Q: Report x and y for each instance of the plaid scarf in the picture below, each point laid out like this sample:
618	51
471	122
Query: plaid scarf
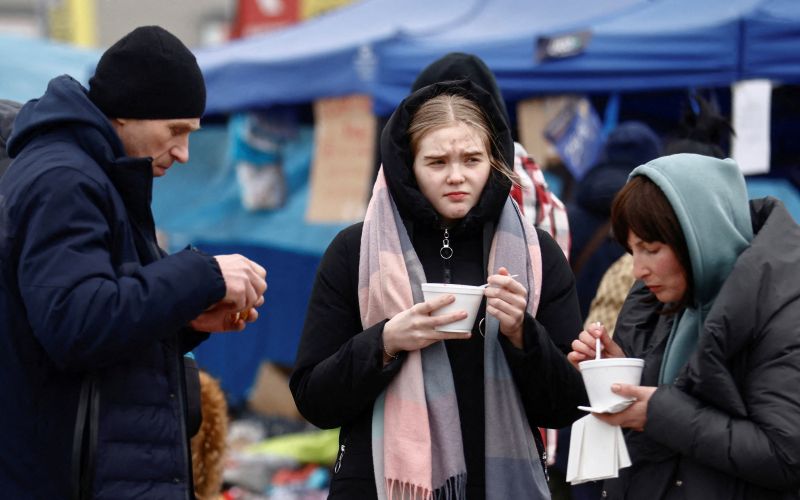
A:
416	433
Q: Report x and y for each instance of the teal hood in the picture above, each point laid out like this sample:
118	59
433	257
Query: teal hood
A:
710	200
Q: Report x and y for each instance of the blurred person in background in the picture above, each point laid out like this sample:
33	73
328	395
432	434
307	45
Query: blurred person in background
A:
100	400
714	315
702	131
8	111
423	412
629	145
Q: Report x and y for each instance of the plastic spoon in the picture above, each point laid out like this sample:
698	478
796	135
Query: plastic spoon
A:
487	284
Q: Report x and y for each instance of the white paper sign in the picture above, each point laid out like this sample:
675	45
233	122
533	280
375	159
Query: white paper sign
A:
751	116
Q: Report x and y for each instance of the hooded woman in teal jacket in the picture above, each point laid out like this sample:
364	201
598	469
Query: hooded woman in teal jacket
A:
715	316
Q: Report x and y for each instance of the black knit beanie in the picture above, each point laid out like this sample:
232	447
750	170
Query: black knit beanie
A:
148	74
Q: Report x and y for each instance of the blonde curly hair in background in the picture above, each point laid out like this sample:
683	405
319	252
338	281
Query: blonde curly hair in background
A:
209	444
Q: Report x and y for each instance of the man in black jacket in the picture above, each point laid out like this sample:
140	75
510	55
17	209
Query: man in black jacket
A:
95	319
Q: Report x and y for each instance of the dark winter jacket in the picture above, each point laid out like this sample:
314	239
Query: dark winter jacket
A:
339	370
93	318
729	427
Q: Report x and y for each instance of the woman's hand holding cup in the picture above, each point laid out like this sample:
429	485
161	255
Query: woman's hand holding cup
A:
584	347
415	328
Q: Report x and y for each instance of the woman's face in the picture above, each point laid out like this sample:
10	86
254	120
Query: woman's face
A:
656	264
452	167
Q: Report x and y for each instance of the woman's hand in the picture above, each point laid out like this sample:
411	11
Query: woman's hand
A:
415	328
506	300
583	347
635	416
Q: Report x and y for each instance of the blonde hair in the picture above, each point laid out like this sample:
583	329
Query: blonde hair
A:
445	110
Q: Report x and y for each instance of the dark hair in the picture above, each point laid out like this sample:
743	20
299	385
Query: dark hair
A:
642	208
702	132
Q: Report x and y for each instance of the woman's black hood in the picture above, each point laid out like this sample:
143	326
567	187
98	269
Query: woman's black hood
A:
398	159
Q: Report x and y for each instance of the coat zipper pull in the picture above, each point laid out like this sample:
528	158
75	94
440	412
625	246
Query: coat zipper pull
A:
338	464
446	252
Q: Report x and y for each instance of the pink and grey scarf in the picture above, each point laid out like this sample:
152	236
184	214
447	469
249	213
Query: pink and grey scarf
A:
416	433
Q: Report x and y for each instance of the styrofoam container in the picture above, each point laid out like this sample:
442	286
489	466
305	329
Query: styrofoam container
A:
599	374
468	298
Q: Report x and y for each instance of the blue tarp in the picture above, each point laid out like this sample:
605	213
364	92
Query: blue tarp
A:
28	64
201	201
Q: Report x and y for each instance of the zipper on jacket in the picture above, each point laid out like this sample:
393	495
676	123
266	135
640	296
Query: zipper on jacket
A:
340	457
181	396
446	252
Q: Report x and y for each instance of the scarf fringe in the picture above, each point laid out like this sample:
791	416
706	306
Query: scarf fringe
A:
455	488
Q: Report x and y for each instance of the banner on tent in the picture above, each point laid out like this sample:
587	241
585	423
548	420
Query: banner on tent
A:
577	134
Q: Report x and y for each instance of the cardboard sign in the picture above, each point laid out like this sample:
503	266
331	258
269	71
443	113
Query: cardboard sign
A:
270	395
533	115
344	159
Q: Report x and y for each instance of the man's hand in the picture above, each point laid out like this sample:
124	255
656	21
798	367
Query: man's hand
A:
223	317
245	281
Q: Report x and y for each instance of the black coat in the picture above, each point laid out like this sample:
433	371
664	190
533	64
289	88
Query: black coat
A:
729	427
87	301
339	369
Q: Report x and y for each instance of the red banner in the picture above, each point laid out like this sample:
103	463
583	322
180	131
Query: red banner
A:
256	16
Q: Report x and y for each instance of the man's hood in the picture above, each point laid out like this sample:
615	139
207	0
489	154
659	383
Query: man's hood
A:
64	103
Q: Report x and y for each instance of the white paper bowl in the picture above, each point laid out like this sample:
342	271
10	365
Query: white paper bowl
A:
468	298
599	374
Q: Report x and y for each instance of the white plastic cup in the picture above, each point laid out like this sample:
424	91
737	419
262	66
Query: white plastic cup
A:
468	298
599	374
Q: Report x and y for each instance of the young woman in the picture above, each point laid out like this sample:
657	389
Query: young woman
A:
715	318
422	412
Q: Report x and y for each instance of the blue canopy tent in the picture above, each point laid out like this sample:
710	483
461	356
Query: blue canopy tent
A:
658	44
327	56
771	41
344	52
29	63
